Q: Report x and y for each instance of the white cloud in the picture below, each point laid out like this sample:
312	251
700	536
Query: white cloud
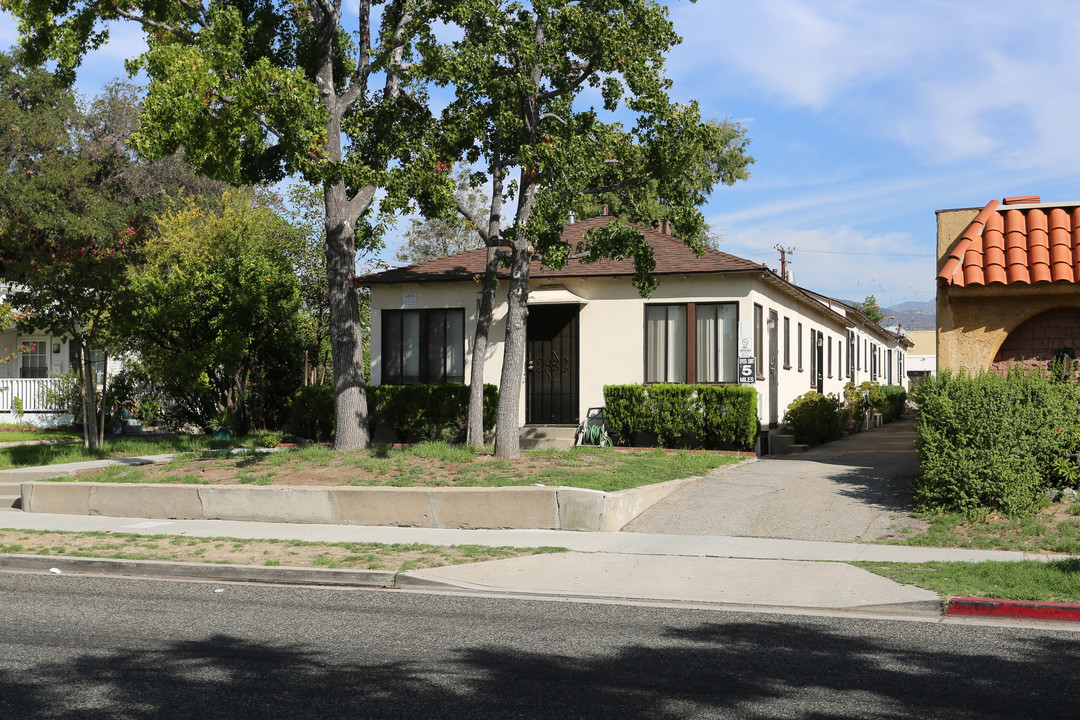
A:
996	80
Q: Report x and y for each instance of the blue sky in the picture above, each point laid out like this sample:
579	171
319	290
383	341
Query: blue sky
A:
864	118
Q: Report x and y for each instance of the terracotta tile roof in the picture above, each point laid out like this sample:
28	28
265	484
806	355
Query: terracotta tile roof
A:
672	257
1019	241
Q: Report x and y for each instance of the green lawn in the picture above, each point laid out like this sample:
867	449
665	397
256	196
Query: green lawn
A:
32	455
1057	581
21	433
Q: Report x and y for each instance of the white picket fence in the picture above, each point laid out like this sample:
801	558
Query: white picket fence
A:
30	391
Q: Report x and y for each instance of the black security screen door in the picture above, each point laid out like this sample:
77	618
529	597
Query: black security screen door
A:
551	365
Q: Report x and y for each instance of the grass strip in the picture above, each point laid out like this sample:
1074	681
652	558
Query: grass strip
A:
1053	581
18	433
34	455
239	551
1039	533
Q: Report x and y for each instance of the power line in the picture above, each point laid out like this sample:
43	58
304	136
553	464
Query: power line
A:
841	252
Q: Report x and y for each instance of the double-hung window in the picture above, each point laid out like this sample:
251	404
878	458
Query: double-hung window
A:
692	342
423	346
35	359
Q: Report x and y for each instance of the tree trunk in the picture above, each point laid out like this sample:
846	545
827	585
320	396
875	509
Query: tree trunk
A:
475	433
507	445
89	398
104	382
346	339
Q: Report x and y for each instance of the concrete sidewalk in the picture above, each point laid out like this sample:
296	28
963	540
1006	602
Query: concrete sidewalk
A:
695	569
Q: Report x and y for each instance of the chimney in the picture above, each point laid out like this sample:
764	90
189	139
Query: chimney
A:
604	211
665	227
571	217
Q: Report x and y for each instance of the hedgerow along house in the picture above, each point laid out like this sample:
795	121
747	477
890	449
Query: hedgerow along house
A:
1008	284
712	319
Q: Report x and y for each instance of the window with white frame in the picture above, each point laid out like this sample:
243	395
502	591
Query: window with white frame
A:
423	346
35	359
716	338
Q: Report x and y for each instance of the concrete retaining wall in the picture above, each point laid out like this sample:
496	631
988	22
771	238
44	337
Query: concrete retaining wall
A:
549	508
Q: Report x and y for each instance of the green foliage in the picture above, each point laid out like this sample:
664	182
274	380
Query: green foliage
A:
311	413
990	442
427	413
214	311
814	418
889	400
414	413
712	416
870	308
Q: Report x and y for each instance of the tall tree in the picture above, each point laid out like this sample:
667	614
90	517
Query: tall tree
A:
258	89
520	73
66	234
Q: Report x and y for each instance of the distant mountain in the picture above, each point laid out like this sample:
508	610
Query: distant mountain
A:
913	315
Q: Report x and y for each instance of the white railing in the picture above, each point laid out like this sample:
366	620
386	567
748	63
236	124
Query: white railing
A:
30	391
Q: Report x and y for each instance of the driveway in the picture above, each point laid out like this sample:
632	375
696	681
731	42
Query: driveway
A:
857	489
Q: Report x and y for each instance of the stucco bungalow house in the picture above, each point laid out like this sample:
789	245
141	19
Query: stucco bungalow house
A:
1008	284
712	319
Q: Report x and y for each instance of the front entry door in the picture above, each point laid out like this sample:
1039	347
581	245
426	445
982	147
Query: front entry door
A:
551	365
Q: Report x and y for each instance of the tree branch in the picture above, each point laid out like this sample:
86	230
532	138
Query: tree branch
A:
142	20
586	72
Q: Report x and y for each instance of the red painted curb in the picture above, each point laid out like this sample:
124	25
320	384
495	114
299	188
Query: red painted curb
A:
1014	608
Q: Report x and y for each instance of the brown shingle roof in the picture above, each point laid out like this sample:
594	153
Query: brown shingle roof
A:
671	255
1019	241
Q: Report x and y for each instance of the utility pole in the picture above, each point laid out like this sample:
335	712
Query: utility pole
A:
784	252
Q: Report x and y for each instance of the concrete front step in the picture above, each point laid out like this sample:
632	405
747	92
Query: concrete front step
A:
546	437
785	445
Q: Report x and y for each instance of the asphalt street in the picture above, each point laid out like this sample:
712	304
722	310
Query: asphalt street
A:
118	648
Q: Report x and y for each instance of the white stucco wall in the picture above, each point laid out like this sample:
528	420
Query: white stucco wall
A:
612	330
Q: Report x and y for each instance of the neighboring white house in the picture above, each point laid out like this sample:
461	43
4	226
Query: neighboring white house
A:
709	320
38	356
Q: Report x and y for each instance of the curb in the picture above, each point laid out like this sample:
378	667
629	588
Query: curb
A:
201	571
988	607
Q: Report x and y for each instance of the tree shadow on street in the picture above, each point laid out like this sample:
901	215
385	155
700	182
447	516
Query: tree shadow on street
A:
745	668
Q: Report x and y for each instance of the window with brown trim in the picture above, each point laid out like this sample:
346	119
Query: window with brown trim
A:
787	343
798	340
691	343
759	340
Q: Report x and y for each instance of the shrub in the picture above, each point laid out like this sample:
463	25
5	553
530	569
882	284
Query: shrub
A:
714	416
427	413
990	442
814	418
311	413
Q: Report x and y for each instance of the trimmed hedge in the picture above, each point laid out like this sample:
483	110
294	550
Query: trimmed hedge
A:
414	413
990	442
713	416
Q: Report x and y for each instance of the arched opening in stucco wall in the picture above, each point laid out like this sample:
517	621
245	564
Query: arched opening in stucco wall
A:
1041	339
